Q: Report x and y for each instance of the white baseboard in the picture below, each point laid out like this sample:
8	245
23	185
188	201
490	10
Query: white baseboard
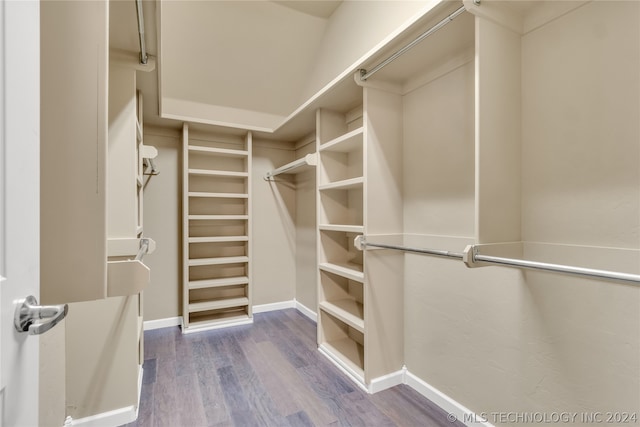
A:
113	418
306	311
217	325
150	325
455	409
387	381
263	308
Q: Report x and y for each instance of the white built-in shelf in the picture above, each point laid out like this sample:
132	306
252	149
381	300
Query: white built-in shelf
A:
219	195
218	151
218	261
217	283
349	311
297	166
208	172
347	143
349	353
204	321
218	239
346	184
348	270
342	227
218	217
218	304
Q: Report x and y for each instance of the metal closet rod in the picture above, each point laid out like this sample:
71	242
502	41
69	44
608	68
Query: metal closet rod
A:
435	252
513	262
559	268
364	74
143	48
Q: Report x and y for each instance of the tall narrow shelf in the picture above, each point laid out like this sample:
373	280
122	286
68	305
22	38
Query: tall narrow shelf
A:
360	326
340	178
216	230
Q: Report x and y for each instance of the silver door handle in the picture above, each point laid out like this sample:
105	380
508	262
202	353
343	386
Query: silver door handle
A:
28	314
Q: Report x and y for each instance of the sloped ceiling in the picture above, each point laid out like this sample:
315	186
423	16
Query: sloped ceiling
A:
244	62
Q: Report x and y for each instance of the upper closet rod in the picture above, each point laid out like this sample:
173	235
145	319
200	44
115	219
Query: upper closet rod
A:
308	160
143	48
364	74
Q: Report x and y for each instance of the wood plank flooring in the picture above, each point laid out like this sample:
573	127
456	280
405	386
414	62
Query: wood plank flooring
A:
266	374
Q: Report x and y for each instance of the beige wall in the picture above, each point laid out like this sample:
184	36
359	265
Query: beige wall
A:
162	223
497	339
274	231
306	237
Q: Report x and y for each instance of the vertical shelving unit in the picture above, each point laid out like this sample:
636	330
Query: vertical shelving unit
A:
216	231
340	177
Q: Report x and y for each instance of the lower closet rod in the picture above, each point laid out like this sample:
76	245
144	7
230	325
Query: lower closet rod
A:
558	268
436	252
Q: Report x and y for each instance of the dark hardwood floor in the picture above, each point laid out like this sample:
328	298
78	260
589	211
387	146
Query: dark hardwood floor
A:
266	374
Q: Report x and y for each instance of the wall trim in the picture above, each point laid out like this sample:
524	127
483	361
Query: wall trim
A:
454	408
274	306
387	381
306	311
169	322
116	417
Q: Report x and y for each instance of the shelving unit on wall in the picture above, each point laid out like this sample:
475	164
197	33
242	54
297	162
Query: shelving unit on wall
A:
216	230
353	323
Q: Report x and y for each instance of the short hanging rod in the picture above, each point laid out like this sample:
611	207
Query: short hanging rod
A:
364	74
143	48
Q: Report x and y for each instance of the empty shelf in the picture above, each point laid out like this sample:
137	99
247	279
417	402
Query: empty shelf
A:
349	311
218	217
218	260
216	283
346	143
209	172
348	353
219	195
342	227
195	307
349	270
218	239
218	151
346	184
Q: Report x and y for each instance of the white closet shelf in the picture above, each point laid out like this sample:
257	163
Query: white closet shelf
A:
218	261
348	310
342	227
218	151
348	270
347	184
196	307
210	172
347	143
218	239
217	283
219	195
218	217
349	353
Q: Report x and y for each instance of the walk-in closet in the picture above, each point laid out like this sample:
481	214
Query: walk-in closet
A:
341	212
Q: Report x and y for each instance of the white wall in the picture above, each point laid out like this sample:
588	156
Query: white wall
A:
497	339
306	236
274	230
163	223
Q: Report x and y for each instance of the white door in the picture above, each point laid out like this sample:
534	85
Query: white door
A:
19	205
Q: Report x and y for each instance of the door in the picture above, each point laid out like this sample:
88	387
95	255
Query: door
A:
19	205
